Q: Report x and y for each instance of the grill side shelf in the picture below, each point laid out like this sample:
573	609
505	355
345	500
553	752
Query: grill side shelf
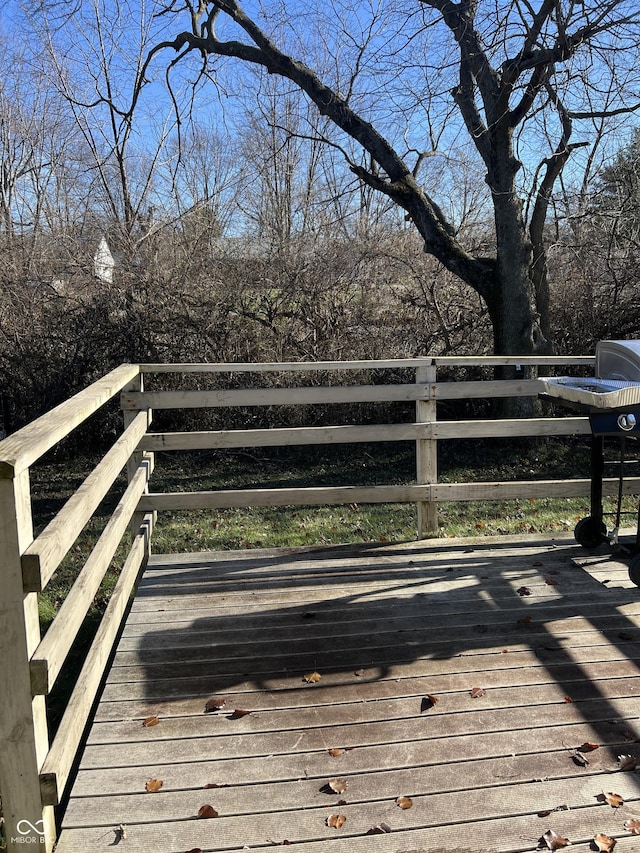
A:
594	393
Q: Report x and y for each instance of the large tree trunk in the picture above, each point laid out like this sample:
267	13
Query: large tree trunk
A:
512	305
516	327
514	333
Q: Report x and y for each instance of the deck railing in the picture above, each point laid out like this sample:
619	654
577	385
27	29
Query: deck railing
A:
34	771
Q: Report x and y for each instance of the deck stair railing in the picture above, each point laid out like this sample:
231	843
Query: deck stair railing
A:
34	771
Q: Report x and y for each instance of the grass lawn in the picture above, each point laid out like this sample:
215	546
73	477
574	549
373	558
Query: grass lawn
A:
260	527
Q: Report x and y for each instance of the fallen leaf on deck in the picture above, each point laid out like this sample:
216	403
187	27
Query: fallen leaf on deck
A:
477	692
633	825
547	812
551	582
150	721
214	785
588	747
339	750
238	713
338	786
359	672
579	759
526	620
121	834
627	762
568	700
195	850
428	702
404	802
308	614
217	703
379	829
312	677
336	820
207	811
283	843
614	800
524	590
154	785
604	843
553	840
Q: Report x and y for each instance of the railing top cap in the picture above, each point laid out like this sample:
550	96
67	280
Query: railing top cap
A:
27	445
366	364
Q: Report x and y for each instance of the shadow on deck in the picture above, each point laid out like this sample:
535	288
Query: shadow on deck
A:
550	634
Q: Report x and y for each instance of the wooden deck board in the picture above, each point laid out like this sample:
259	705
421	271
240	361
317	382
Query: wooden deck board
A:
384	625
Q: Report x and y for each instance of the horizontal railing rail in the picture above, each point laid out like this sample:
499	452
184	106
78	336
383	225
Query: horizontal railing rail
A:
34	771
297	436
372	364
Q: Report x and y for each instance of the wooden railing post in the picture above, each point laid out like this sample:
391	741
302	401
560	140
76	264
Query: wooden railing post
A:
426	455
129	415
23	725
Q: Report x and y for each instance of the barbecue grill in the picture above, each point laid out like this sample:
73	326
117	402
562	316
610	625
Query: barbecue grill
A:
612	401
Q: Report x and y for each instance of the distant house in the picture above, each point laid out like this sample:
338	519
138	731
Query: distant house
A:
77	261
103	262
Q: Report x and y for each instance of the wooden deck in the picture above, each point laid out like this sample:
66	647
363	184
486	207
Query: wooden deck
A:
551	634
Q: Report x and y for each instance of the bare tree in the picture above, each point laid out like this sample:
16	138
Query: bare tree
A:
93	55
605	252
201	180
517	78
30	142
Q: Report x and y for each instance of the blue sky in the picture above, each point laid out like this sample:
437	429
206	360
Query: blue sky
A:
403	85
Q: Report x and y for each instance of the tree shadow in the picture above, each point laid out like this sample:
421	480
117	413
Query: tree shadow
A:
366	614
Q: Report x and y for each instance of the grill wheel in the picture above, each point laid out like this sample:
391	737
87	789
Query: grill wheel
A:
634	570
590	532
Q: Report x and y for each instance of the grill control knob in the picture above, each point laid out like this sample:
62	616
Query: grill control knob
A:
626	422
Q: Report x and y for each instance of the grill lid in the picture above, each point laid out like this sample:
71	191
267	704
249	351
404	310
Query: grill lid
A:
618	360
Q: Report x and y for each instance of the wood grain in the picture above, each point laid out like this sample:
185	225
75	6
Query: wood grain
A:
384	625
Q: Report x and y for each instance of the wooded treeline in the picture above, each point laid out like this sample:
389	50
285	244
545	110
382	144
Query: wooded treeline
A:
246	237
